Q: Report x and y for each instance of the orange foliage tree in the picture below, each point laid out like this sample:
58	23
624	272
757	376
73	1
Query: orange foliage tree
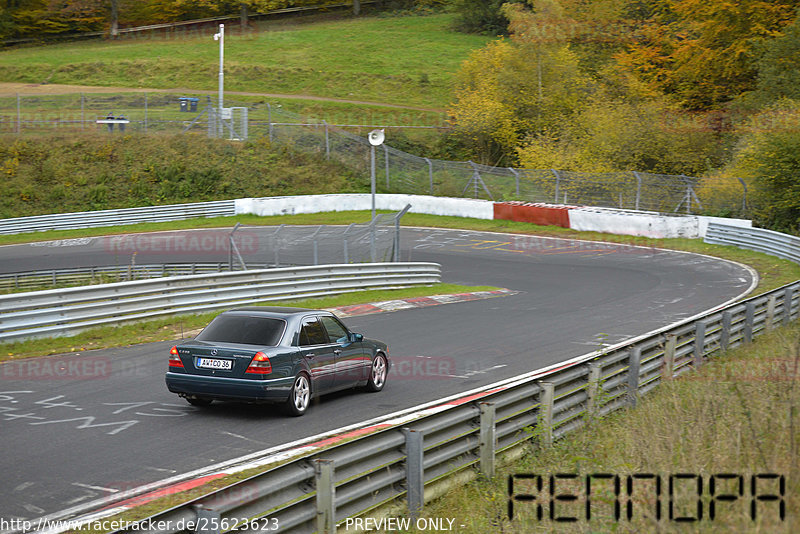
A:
703	51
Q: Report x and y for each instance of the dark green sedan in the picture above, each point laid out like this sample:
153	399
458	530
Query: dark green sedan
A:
275	355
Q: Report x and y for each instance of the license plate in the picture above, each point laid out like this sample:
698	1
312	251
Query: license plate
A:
211	363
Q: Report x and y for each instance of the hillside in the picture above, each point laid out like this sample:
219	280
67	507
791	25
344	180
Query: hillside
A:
399	60
63	172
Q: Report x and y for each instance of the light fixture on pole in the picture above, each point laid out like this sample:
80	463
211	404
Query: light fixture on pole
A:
221	38
375	138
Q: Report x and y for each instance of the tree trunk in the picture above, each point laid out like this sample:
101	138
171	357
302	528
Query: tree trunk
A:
243	16
114	18
356	7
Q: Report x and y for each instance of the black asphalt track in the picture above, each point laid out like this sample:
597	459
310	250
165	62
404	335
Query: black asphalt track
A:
111	425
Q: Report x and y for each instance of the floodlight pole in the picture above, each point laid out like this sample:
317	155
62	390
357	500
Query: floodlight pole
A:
221	38
372	251
372	177
375	138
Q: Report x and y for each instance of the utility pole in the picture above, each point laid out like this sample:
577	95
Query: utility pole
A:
221	38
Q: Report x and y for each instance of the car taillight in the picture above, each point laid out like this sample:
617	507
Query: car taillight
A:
174	359
260	364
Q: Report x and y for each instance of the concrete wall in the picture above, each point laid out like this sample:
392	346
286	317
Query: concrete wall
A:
607	220
646	224
455	207
633	223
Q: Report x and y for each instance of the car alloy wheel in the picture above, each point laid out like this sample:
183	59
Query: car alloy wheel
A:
377	377
299	396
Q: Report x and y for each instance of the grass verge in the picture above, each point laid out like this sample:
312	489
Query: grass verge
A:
737	415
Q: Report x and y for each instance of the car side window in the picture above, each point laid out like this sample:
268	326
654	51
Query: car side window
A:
312	332
337	333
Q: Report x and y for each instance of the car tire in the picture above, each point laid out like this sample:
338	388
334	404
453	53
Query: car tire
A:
299	396
199	401
378	373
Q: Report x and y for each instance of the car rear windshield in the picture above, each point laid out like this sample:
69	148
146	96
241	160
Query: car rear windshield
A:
262	331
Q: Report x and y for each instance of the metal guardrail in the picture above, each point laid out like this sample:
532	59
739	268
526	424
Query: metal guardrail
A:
65	311
112	273
766	241
90	219
316	491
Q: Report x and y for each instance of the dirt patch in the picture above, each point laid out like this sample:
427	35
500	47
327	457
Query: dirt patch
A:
12	89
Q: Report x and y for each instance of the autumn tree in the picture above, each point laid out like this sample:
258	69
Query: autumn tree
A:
779	66
512	90
768	157
703	51
480	16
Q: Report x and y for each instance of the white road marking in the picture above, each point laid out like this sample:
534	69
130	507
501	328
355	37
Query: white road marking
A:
33	509
162	469
98	488
481	371
243	437
23	486
76	500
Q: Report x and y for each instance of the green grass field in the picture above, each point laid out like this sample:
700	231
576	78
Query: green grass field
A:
408	61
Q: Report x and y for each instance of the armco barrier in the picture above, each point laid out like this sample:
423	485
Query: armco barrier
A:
90	219
65	311
407	456
120	273
774	243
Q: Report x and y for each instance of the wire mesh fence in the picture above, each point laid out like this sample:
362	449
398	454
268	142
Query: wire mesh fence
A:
397	171
376	241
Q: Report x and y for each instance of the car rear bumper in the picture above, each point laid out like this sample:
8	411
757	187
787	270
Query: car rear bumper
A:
213	387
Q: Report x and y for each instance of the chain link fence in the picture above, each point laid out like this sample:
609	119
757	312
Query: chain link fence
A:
397	171
376	241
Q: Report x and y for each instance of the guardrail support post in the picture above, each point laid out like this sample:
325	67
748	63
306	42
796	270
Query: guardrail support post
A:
725	334
415	472
699	342
430	174
208	521
548	396
634	358
788	293
670	344
593	390
768	321
516	178
749	321
326	493
488	439
327	141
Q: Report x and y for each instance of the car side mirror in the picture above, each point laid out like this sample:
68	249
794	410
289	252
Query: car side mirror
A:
356	337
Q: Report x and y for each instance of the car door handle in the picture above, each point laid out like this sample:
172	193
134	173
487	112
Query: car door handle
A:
337	351
310	355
